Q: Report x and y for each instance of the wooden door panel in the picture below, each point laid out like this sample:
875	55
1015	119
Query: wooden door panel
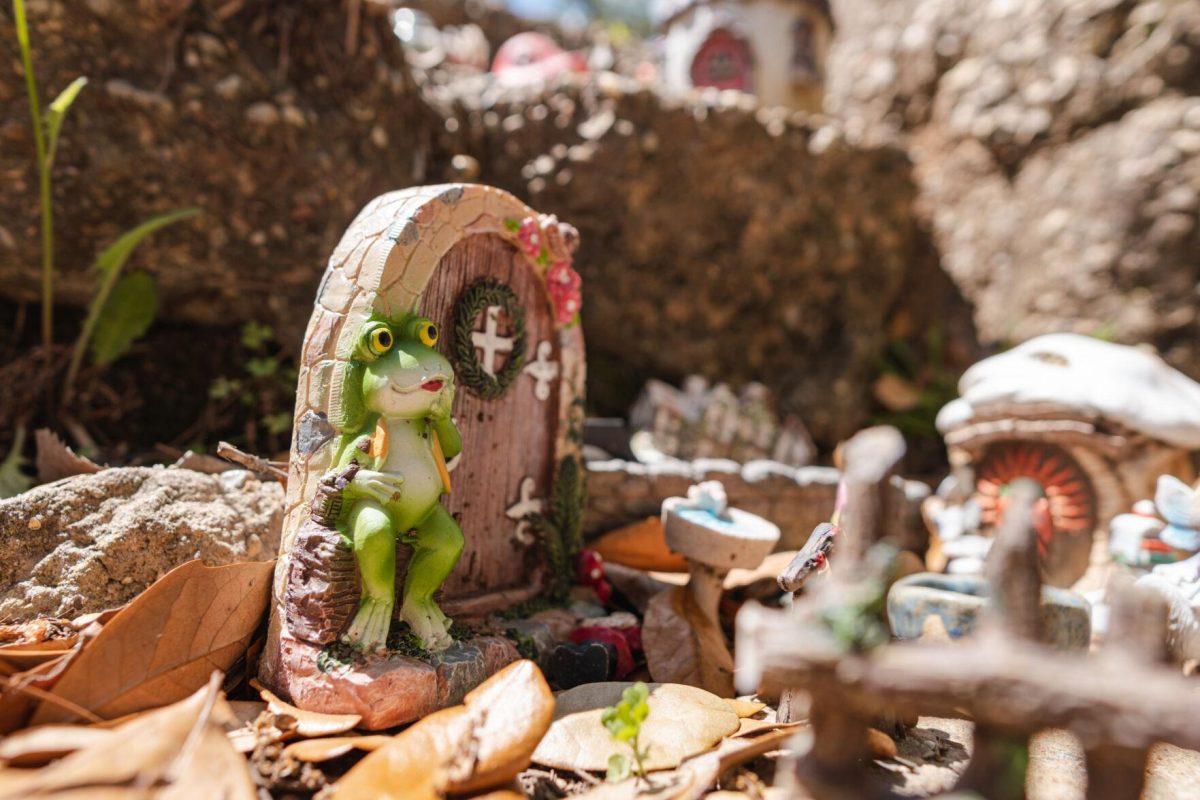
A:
506	439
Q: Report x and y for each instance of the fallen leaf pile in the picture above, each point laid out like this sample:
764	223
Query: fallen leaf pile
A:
158	649
178	751
129	703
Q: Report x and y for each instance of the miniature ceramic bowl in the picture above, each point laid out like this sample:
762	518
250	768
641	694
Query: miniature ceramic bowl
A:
958	600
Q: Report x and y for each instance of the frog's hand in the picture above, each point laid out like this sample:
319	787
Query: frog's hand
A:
382	487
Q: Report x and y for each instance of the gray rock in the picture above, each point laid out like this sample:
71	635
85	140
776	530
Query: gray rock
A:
93	542
1056	146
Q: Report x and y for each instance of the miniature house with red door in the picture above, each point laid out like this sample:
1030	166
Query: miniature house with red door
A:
774	49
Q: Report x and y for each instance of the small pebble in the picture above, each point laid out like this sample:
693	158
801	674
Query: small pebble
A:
35	523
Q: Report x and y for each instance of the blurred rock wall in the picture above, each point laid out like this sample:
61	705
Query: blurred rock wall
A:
1056	146
717	238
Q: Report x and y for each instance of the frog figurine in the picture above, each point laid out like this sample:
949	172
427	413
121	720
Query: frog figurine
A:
396	434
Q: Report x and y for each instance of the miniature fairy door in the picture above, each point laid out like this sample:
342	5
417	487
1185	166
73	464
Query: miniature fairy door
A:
724	61
497	279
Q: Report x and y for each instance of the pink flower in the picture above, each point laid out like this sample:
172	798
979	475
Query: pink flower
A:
566	294
530	236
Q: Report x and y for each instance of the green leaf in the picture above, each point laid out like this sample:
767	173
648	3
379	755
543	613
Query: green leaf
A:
113	257
109	264
618	768
255	335
262	367
57	112
125	317
12	480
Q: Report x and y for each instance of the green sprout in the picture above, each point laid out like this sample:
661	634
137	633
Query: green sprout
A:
122	306
624	723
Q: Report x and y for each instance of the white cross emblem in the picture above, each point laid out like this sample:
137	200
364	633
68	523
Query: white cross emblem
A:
543	370
520	510
490	342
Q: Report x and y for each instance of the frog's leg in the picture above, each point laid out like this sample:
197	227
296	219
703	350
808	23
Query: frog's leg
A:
374	540
436	547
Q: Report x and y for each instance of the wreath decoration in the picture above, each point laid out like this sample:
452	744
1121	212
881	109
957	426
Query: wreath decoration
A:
474	300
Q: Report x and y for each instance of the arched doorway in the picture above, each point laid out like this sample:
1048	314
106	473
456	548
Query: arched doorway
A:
1065	516
724	61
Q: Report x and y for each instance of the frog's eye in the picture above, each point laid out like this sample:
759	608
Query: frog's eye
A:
427	332
379	341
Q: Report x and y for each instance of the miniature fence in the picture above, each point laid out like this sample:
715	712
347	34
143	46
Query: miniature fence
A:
1119	702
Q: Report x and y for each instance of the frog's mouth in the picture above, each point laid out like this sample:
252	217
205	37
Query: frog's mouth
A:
433	383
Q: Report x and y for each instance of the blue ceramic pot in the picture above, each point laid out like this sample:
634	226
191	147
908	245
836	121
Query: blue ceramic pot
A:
959	599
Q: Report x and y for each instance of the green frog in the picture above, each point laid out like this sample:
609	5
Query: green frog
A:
393	412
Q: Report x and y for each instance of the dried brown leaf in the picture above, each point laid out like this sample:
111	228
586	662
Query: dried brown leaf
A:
55	460
317	750
182	746
682	722
37	746
309	723
692	779
166	642
483	743
24	690
744	708
20	657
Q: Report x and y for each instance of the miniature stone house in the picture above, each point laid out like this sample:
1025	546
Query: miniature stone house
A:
774	49
1094	423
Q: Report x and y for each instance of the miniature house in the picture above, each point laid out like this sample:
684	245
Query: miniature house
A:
774	49
1094	423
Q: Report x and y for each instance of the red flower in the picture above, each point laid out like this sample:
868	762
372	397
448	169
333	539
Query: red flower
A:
530	236
566	293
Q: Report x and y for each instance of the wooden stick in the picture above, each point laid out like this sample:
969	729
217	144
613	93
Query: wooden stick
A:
869	459
276	469
1012	567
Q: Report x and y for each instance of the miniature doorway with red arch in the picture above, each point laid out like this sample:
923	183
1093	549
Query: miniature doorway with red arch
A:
724	61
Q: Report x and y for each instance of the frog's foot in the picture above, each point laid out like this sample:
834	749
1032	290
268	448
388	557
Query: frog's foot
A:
368	630
428	623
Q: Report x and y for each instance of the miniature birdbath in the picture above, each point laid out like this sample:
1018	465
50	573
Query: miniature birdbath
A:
714	539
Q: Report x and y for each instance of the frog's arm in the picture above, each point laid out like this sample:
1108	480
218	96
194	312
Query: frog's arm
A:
355	447
448	436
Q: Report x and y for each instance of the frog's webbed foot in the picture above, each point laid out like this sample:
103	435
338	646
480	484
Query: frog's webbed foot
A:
368	630
428	623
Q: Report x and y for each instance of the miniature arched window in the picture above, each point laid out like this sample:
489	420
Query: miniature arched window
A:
724	61
805	66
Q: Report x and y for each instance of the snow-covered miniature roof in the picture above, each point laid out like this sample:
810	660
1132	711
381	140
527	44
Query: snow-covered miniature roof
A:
1078	373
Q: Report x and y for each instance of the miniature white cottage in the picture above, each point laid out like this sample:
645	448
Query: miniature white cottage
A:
1094	423
774	49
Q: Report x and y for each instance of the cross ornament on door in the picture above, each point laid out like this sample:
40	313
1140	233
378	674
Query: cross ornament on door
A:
489	342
